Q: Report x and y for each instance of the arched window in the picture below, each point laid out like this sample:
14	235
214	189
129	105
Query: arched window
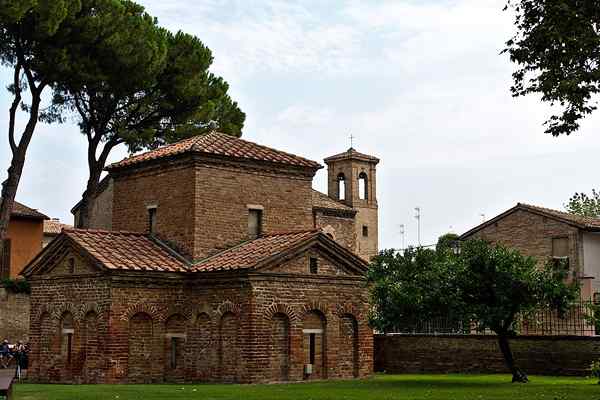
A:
341	187
363	191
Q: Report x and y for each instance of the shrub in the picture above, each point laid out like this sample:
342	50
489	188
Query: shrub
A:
595	368
16	285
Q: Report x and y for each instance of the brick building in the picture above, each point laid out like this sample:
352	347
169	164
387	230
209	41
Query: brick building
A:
547	234
223	264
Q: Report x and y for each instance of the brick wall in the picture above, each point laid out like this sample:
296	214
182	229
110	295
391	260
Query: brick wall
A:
532	235
341	228
14	315
542	355
202	207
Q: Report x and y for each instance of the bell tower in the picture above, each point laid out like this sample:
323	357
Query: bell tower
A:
352	180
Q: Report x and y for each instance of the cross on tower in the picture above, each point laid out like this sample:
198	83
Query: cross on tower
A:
352	137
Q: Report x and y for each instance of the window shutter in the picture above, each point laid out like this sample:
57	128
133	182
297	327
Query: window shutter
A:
5	261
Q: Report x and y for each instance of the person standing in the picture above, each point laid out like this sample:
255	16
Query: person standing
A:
5	354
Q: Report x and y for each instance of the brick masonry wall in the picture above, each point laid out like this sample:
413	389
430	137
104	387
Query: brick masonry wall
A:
532	235
342	228
225	192
542	355
14	315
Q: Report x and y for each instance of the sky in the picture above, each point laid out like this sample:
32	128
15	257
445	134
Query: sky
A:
420	84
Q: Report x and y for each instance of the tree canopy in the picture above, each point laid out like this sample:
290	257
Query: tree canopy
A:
488	287
584	205
142	88
556	48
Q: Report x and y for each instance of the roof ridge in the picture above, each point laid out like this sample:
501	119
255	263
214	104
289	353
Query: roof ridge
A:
288	233
104	231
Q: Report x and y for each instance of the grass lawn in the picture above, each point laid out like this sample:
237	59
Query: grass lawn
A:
431	387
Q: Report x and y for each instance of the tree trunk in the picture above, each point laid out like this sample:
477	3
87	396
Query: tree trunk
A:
11	184
517	375
88	198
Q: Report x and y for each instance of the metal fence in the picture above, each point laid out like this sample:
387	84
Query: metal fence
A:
576	322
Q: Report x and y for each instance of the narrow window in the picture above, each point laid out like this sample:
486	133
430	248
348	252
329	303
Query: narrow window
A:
597	298
314	265
5	260
312	338
341	187
152	220
365	231
560	251
71	265
173	352
362	186
254	223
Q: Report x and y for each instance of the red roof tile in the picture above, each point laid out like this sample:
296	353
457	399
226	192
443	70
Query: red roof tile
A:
127	250
54	227
249	254
321	200
585	223
21	210
351	153
219	144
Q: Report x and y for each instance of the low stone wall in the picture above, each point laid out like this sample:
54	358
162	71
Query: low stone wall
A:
14	315
541	355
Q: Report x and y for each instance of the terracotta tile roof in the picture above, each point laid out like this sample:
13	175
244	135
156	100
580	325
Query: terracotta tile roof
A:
21	210
582	222
249	254
351	153
585	223
321	200
219	144
127	250
53	227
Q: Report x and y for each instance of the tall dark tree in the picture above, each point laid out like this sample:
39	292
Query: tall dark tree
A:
150	87
557	52
491	286
32	37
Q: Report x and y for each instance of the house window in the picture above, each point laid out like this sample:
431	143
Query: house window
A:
314	265
312	339
365	231
5	260
71	265
254	223
362	186
560	250
597	298
341	187
173	352
152	220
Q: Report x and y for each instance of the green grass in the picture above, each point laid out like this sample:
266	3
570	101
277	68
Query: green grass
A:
398	387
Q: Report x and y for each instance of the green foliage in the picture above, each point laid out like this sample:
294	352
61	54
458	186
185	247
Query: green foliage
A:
490	286
584	205
447	242
16	285
380	386
556	50
595	370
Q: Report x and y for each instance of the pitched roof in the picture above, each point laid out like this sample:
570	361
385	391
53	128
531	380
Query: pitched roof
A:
321	200
53	227
126	250
219	144
351	153
249	254
585	223
21	210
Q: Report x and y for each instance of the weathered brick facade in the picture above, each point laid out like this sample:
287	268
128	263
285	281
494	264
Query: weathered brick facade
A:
220	306
541	355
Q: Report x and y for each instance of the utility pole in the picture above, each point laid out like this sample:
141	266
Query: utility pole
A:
418	217
402	236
